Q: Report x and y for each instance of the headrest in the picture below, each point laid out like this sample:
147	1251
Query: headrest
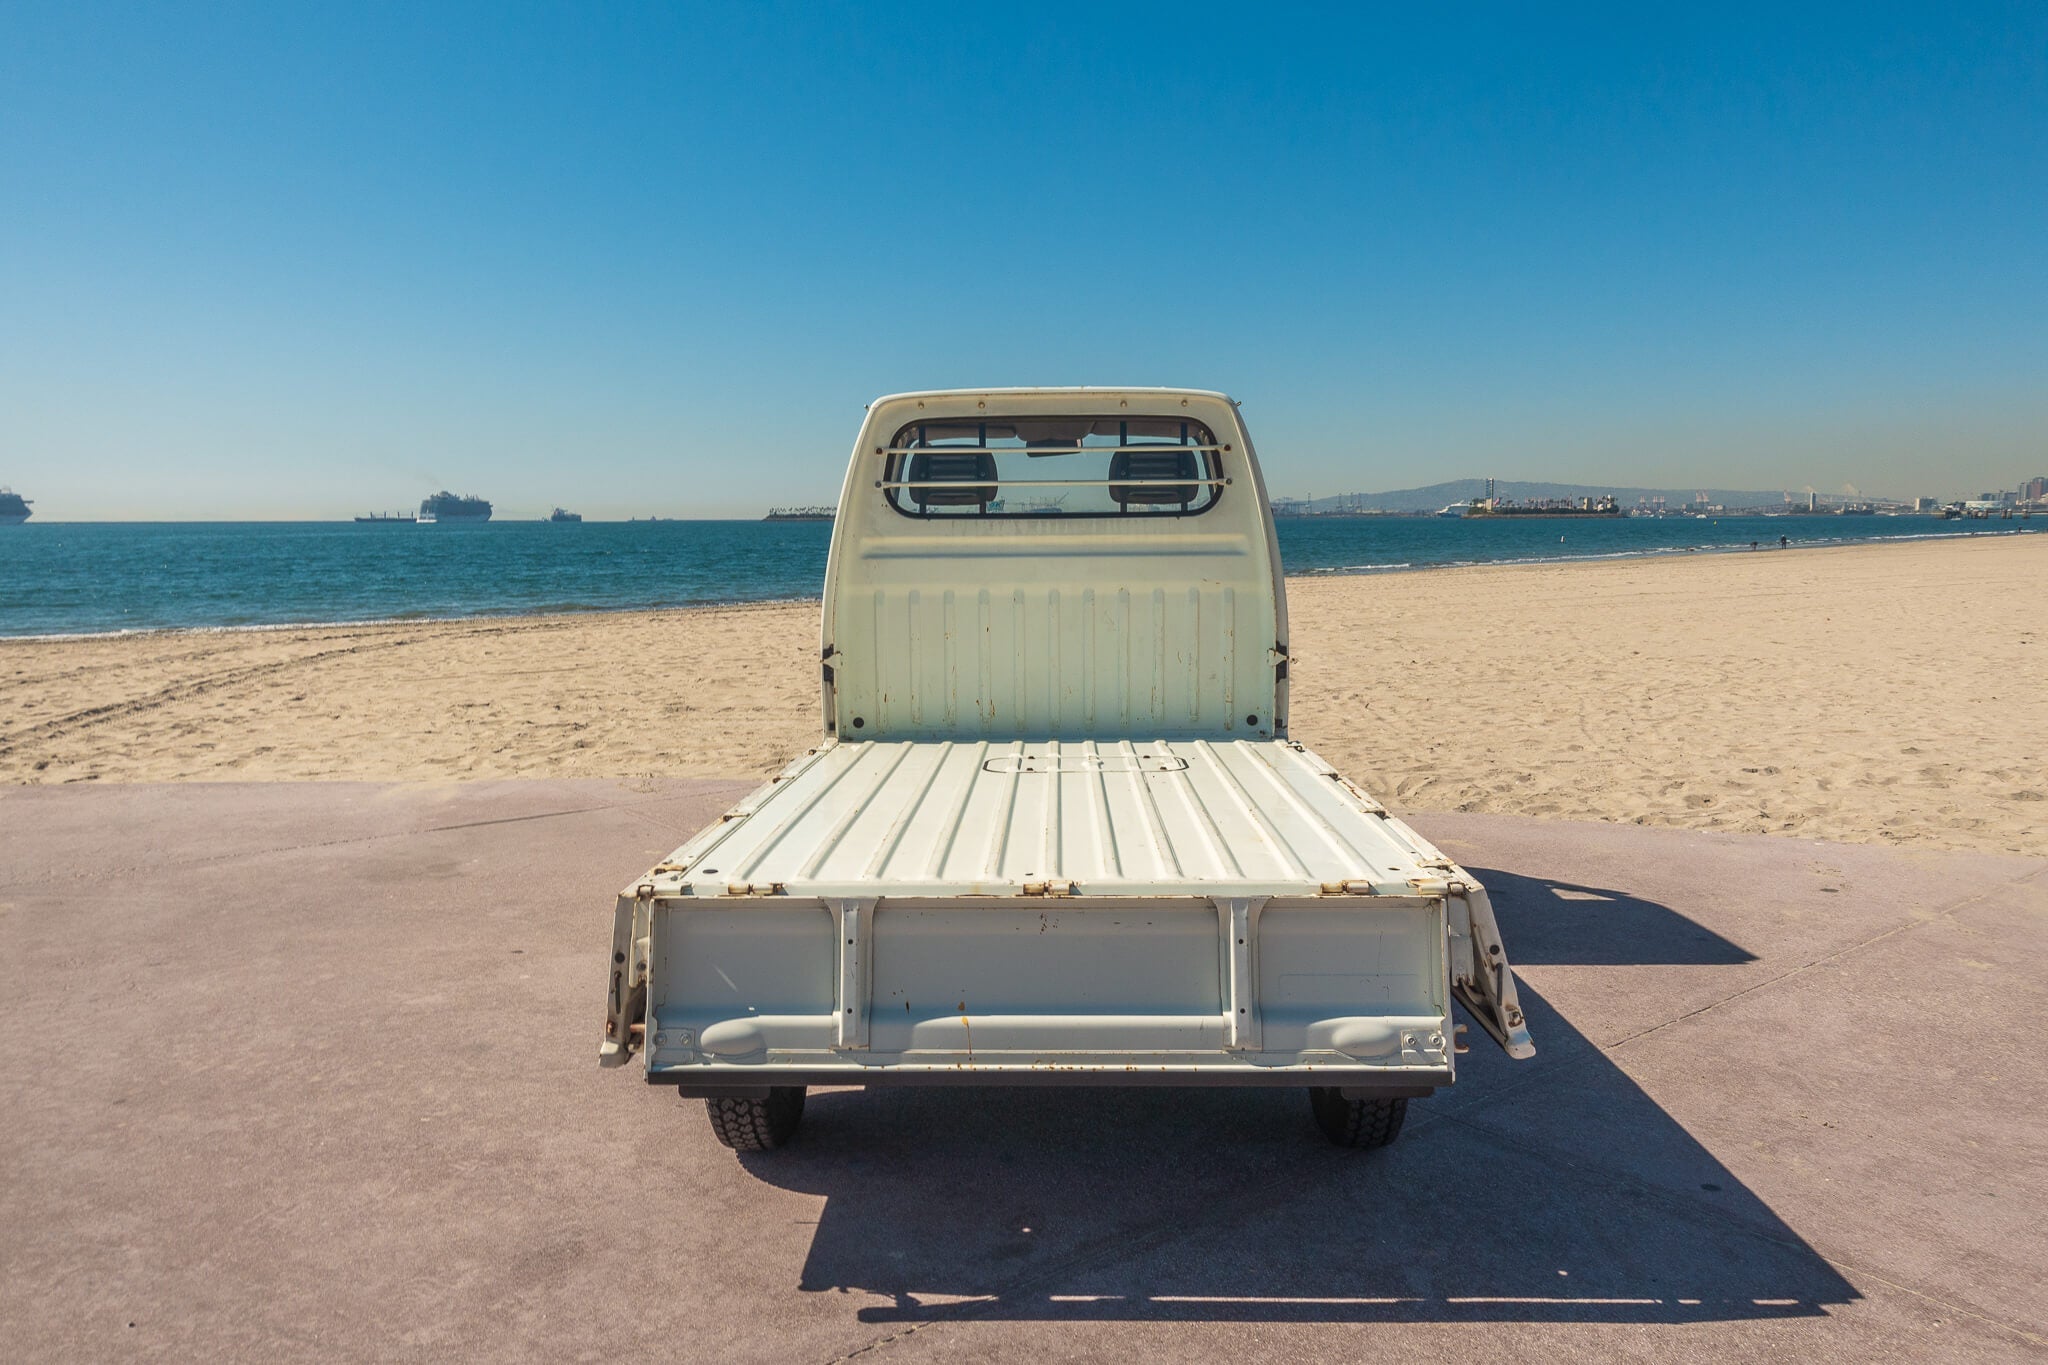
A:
968	468
1153	464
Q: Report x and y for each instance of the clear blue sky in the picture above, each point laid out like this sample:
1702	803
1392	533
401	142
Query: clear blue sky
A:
298	260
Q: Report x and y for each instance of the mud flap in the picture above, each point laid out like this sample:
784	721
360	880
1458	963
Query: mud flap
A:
1480	975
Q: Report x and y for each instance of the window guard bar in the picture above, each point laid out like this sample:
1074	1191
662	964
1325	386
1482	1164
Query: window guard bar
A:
1153	449
979	482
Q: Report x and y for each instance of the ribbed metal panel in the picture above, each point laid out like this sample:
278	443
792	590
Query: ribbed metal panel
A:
1058	661
955	818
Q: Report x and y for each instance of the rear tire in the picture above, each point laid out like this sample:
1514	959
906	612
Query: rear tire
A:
1356	1123
757	1125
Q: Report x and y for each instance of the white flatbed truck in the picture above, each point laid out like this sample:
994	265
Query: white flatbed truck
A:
1056	832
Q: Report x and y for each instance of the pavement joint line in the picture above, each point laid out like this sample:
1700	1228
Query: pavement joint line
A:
645	818
882	1343
2032	1338
515	819
624	807
1509	1089
1946	912
1734	1222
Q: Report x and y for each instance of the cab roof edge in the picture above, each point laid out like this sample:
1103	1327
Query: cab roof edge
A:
1092	391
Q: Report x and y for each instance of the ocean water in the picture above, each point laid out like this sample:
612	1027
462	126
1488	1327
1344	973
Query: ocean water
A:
61	578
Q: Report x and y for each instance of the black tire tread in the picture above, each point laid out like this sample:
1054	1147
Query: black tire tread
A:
757	1125
1364	1123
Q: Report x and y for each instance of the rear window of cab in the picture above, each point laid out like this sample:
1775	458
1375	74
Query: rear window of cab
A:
1054	467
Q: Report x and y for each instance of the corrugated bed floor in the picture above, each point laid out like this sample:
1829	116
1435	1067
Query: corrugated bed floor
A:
966	818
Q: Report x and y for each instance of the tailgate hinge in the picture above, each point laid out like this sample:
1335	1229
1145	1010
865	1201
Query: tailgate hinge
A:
625	1013
1480	975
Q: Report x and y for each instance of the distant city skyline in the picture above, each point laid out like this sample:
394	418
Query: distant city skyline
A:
2029	489
652	259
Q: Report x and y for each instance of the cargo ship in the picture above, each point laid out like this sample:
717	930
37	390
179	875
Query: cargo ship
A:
13	508
561	514
381	518
801	514
446	506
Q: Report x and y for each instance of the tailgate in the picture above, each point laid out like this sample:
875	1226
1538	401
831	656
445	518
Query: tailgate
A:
1188	990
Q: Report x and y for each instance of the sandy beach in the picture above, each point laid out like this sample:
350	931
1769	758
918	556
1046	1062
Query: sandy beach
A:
1893	693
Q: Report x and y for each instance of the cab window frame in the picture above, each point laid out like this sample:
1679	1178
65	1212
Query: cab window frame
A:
963	437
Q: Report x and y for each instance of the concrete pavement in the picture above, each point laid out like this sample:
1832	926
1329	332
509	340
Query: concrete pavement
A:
309	1071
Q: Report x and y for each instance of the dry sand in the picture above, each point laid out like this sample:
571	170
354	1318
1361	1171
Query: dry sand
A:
1894	693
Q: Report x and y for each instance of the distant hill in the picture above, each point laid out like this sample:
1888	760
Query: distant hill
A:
1430	498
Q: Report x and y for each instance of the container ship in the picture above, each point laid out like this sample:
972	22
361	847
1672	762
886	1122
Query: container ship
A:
446	506
382	518
13	508
801	514
560	514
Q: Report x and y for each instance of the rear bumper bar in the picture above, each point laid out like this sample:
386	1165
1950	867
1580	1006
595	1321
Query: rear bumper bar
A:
755	1082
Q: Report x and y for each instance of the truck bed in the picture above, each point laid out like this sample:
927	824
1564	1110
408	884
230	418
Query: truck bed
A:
1170	911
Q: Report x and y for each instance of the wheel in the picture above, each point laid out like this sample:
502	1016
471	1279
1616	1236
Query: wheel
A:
757	1125
1356	1123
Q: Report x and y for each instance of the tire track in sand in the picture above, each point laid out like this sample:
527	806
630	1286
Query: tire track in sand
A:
12	741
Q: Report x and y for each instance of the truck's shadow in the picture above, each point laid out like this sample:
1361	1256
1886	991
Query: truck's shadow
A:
1549	1190
1550	922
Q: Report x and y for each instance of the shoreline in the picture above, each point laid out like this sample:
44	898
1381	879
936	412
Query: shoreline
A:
1658	552
562	612
1878	693
402	622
